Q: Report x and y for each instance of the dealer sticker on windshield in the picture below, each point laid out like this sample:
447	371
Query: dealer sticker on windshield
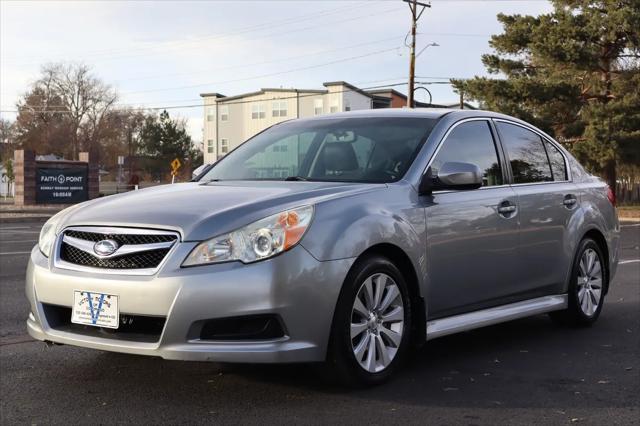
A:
96	309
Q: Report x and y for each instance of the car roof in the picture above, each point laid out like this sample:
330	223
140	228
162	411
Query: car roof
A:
433	113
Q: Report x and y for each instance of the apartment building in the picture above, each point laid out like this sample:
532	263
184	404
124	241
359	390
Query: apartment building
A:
231	120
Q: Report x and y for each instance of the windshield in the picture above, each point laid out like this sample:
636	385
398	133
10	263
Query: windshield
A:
377	149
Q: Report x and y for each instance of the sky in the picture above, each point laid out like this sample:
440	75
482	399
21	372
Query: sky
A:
165	53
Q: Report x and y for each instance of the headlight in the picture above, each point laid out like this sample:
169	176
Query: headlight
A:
48	231
260	240
47	236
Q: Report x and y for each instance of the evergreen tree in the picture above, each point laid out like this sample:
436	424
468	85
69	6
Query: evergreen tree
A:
575	73
162	139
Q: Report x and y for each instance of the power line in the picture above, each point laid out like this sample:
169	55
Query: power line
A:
273	34
296	30
134	106
290	58
192	86
202	71
236	31
201	105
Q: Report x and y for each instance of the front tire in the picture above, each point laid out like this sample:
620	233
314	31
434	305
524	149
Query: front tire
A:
587	287
372	324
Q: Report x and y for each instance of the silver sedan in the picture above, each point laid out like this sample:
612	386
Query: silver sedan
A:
344	238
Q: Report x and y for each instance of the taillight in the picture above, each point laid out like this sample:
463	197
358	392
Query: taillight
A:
611	196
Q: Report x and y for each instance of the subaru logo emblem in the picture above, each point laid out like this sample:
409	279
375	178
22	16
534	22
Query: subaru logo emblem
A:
105	247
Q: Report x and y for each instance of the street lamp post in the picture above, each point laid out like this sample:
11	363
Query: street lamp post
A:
432	44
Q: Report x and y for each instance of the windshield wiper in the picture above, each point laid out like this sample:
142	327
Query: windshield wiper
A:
295	178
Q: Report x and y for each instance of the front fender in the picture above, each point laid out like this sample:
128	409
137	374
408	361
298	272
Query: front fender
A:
345	228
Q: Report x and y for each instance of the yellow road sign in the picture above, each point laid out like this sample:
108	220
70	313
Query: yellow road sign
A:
175	165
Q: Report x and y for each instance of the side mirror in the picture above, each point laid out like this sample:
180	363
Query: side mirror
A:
452	175
200	170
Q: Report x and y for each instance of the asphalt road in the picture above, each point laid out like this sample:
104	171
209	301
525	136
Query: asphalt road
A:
524	372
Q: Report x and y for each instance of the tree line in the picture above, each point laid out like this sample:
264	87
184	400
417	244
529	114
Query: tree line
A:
68	110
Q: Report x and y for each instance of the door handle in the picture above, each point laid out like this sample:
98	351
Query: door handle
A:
569	201
507	209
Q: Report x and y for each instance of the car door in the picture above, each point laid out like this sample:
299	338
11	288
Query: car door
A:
547	200
472	235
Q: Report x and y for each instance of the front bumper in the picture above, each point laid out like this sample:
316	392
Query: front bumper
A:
294	286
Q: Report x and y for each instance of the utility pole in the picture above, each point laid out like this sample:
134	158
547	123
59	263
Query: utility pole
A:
415	16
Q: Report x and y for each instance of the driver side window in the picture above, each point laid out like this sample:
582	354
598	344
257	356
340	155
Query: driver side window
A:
471	142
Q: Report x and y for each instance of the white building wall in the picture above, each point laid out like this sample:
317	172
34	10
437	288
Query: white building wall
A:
356	101
252	126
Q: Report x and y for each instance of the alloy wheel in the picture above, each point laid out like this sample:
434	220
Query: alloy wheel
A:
590	277
377	322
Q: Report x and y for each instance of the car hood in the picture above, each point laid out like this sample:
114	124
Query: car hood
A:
200	211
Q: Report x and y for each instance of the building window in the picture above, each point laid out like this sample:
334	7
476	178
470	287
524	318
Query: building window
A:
279	109
224	113
347	105
210	146
335	106
211	114
224	146
258	111
318	106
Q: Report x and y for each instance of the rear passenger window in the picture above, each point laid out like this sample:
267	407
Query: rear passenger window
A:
558	167
471	142
528	158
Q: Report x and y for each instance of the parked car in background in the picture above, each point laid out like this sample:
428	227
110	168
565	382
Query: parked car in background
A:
343	238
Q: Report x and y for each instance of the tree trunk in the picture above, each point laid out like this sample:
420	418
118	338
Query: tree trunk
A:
610	174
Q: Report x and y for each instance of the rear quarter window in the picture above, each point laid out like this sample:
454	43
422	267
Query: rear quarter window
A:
558	166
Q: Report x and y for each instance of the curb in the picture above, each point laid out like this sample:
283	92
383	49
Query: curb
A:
629	219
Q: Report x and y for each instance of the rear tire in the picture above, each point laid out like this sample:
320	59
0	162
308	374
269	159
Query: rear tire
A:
371	327
587	288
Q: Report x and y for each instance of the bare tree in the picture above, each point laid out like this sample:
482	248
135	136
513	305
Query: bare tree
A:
85	100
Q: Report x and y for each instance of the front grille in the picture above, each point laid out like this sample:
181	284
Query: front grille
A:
121	239
141	249
142	260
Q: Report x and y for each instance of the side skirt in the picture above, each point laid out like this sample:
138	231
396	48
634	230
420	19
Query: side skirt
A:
465	322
